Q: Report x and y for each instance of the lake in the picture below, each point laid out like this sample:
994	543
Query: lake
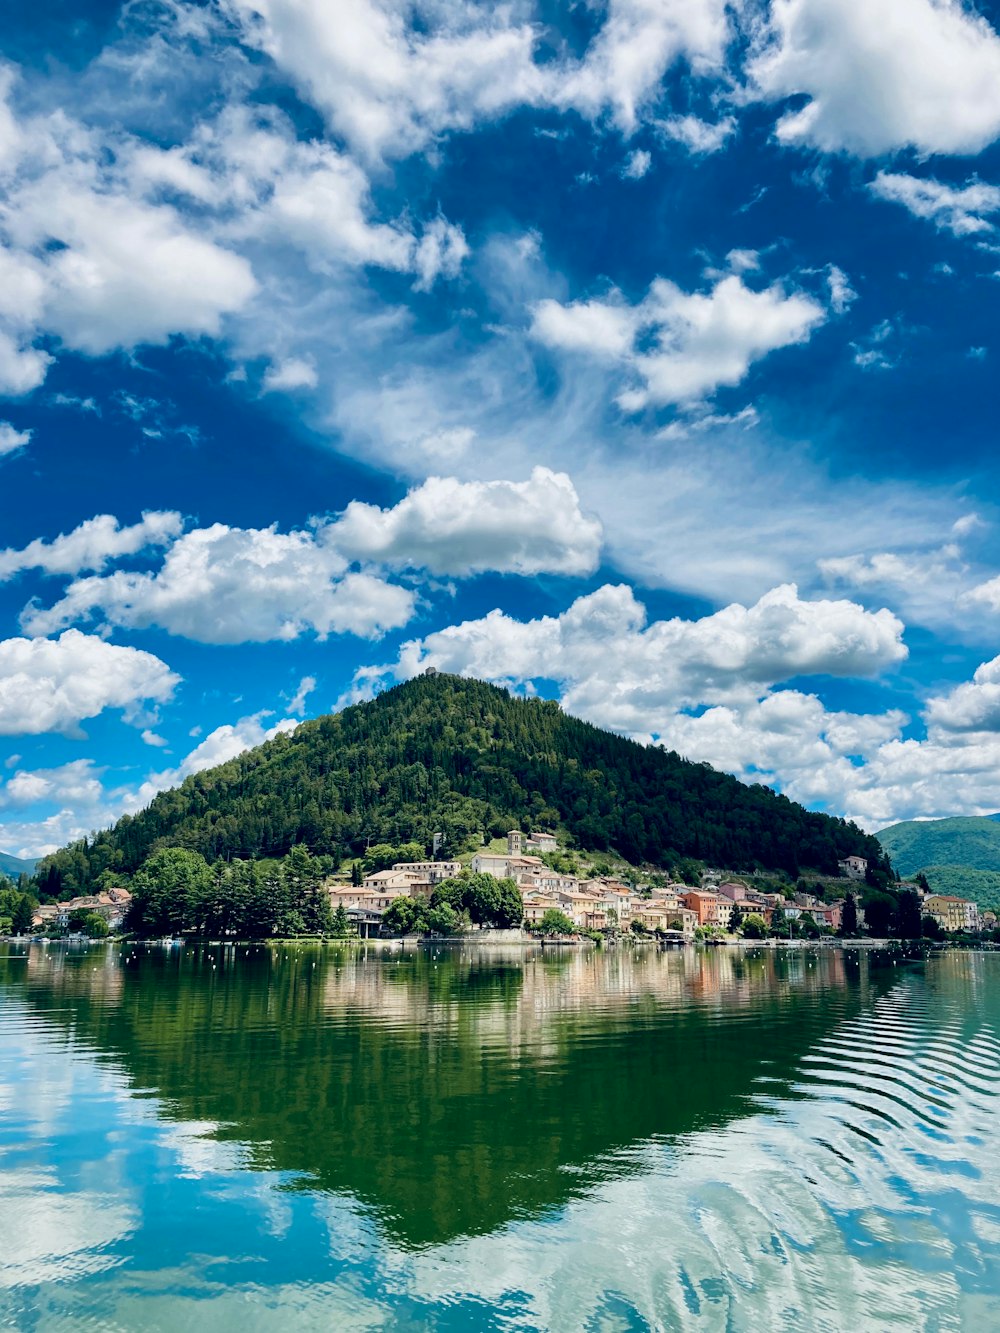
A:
299	1137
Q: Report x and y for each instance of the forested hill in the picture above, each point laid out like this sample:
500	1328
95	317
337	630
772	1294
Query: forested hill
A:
444	754
965	840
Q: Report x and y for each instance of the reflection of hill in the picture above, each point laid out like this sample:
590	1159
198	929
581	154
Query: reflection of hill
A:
449	1093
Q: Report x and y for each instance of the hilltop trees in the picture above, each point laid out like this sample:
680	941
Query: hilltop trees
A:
459	757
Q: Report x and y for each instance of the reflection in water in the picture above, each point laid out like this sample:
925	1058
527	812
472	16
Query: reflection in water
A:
610	1141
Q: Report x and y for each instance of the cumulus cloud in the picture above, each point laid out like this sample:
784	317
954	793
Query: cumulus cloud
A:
462	528
620	672
985	594
78	781
11	440
921	74
390	85
237	585
700	341
93	545
53	684
964	211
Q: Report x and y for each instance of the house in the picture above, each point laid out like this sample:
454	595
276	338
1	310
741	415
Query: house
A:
733	890
401	883
853	867
711	909
952	913
518	843
541	842
364	900
432	872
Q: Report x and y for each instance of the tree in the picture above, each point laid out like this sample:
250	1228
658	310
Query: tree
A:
169	892
404	916
754	926
554	922
908	922
443	920
808	926
78	920
879	910
357	875
849	917
734	919
932	929
341	926
23	916
95	926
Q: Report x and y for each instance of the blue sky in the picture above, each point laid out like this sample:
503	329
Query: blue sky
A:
637	354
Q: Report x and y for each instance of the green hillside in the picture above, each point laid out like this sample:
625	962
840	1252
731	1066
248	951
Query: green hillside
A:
443	754
982	886
964	841
12	866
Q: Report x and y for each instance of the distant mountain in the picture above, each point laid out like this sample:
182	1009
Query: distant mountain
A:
444	754
967	841
12	866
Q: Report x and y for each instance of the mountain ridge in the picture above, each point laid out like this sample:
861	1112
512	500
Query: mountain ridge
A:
971	841
12	866
445	754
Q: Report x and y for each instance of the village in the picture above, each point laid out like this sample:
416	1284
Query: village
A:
718	906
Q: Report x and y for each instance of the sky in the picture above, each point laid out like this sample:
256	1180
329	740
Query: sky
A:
637	354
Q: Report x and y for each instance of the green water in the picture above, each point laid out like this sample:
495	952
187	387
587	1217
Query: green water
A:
305	1138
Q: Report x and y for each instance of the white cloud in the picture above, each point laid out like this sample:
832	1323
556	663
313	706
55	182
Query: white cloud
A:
698	136
22	368
700	341
238	585
233	585
618	672
923	74
622	69
297	703
295	373
93	545
986	594
637	164
78	781
127	273
390	86
109	243
150	737
963	211
11	440
92	803
53	684
462	528
842	294
928	585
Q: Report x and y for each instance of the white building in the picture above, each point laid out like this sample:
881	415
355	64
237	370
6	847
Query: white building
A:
853	867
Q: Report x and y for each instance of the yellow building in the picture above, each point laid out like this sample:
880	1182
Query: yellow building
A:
950	913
